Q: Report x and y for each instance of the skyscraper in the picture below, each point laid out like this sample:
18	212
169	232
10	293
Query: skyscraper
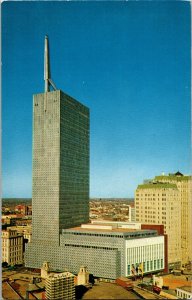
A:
60	165
60	194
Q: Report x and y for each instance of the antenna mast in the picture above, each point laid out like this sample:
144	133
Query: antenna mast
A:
47	73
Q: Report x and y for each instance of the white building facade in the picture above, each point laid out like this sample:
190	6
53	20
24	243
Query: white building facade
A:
148	252
184	292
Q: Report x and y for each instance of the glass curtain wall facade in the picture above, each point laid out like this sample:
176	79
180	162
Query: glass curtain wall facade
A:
60	165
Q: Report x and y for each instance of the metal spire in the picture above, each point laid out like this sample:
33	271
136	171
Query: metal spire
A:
47	73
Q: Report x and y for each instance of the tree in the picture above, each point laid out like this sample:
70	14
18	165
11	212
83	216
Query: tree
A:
4	264
91	279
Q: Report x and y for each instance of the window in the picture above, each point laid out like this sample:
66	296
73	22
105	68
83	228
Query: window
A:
161	263
147	265
151	265
144	267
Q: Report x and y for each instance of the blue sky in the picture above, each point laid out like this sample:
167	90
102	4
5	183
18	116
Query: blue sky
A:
129	62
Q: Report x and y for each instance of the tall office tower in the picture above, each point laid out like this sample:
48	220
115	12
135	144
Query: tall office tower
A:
184	185
159	203
60	165
60	194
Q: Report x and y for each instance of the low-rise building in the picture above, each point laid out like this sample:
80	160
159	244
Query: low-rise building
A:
60	286
22	209
5	220
131	213
9	219
27	220
184	292
160	230
12	247
25	230
109	250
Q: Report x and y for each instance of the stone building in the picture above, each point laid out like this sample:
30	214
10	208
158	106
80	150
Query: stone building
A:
167	200
184	186
12	247
83	276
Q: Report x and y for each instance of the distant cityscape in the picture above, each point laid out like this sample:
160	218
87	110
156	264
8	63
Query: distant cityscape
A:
17	211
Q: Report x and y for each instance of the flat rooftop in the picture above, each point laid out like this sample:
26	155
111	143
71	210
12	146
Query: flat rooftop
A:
106	230
109	230
186	288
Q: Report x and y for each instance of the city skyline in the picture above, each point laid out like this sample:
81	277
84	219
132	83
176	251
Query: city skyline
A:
128	61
